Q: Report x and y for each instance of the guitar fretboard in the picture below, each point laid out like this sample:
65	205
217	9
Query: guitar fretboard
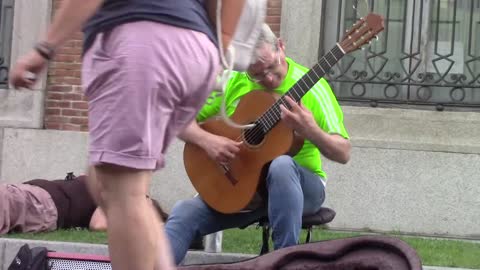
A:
271	117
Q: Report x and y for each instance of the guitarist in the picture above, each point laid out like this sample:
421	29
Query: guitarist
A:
296	186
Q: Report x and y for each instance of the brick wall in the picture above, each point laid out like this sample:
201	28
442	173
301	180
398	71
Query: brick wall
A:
65	105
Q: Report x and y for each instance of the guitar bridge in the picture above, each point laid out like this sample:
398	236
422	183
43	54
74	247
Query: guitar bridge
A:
228	174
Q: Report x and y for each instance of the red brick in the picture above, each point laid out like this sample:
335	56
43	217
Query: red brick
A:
52	104
80	105
68	80
70	50
70	66
54	96
274	3
65	104
60	88
52	111
66	58
273	20
274	12
73	97
82	121
71	112
275	28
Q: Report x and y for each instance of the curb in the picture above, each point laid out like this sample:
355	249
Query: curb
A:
10	246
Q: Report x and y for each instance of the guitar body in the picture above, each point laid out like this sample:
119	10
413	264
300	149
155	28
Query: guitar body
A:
232	191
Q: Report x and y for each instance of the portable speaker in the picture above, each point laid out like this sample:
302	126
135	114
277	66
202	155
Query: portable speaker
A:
69	261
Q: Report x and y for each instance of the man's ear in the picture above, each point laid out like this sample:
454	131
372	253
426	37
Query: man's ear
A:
281	45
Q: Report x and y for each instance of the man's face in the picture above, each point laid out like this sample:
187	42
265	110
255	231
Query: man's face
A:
270	69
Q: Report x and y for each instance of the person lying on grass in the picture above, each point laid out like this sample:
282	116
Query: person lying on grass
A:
40	205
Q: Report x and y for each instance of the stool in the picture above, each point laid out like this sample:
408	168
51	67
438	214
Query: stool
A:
322	216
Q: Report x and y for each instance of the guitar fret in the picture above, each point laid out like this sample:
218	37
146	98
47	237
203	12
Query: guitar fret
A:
333	55
316	74
310	79
320	66
298	95
270	121
326	60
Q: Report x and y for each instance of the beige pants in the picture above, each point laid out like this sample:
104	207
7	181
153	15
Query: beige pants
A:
26	208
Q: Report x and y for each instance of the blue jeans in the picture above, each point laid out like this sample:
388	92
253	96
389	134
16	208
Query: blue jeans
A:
293	191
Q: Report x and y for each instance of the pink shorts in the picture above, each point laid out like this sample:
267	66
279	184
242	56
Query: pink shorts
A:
145	81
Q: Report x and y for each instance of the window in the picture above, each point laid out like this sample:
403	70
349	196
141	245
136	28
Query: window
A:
429	52
6	26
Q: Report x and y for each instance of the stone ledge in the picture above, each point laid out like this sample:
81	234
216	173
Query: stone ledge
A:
408	129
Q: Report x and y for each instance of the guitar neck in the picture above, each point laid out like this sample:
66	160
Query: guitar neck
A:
271	117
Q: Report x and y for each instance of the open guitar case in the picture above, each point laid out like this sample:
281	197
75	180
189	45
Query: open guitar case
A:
355	253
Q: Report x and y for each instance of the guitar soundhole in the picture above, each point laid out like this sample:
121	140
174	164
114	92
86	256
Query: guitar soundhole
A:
255	135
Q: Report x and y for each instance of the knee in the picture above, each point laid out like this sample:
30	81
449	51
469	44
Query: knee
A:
283	162
184	211
282	167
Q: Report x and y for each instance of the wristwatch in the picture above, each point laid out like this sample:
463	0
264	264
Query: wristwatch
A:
45	49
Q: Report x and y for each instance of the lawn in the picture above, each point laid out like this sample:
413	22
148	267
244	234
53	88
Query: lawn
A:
433	252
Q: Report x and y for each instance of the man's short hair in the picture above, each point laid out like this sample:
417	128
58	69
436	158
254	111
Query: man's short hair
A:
266	37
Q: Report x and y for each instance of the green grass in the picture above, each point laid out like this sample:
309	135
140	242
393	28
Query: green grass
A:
72	235
433	252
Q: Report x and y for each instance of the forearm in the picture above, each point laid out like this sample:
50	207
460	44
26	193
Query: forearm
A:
193	133
332	146
230	15
69	19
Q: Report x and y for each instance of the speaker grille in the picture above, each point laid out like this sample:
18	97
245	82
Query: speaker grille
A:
70	264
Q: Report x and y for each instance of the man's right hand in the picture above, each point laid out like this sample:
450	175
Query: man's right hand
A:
221	149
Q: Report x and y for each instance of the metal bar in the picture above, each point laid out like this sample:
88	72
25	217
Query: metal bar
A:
433	68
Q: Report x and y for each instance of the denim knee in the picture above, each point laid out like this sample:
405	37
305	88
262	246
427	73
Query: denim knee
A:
185	209
282	168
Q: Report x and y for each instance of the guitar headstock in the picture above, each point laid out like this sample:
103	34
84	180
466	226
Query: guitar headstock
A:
362	32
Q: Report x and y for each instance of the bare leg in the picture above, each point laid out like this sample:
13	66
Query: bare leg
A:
132	236
163	251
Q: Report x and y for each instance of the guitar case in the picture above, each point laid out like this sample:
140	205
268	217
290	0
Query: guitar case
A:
355	253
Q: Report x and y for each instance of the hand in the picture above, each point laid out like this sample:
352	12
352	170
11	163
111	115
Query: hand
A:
221	149
298	117
25	72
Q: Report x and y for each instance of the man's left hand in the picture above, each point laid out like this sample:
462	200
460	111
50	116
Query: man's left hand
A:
32	63
298	117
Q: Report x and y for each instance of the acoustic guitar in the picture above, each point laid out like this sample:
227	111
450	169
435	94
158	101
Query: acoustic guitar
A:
229	188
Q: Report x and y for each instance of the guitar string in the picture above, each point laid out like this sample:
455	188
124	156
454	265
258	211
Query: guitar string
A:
274	111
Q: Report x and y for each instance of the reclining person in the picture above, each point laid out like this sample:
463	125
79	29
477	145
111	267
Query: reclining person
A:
40	205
